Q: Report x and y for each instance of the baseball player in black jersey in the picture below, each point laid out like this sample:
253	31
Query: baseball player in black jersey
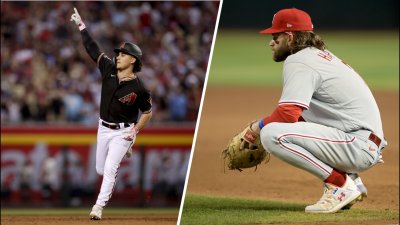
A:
122	96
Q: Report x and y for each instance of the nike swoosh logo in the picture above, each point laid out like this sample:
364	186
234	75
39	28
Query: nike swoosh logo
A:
112	75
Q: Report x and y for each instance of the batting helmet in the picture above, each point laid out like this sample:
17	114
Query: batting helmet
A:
133	50
130	49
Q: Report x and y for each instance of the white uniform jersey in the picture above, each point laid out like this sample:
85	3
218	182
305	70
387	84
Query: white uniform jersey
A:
332	93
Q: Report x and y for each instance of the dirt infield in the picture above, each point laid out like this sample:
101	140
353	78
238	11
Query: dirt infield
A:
84	220
227	110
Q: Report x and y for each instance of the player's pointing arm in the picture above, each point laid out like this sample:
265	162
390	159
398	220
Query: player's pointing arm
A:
90	45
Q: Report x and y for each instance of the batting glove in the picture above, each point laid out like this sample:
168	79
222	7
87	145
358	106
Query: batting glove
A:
77	19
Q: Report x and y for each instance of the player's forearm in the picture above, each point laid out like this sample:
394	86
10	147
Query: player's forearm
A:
90	45
143	120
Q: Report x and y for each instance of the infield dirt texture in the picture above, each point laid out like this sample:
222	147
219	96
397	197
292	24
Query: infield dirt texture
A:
228	107
111	216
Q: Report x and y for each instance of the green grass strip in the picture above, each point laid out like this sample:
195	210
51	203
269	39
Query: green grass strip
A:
200	210
243	57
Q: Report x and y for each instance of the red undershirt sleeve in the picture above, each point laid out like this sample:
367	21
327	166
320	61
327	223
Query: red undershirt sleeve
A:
284	114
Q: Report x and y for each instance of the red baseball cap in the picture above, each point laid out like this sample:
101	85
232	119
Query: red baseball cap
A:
289	20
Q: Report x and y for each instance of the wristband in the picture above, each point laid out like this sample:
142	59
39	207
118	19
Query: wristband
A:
261	124
81	26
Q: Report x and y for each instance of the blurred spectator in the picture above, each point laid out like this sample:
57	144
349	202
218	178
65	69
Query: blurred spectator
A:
47	76
73	104
177	103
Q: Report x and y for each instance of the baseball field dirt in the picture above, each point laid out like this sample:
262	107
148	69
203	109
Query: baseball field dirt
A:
226	110
71	216
83	220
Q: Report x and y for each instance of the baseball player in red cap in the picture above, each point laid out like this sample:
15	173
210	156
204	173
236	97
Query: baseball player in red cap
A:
327	121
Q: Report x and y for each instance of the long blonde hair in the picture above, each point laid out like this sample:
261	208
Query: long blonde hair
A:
304	39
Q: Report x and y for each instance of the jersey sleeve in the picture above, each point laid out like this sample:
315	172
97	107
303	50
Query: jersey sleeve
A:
284	114
146	104
105	65
299	83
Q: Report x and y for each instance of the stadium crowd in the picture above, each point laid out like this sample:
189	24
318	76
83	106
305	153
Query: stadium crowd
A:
46	74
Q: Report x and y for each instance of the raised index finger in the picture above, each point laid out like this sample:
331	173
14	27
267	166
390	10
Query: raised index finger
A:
76	11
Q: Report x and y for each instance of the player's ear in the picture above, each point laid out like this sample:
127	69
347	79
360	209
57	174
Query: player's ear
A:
290	37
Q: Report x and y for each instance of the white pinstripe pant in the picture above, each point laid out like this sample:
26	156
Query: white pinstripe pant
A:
318	149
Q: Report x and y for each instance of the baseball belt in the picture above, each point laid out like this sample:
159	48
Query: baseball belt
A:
114	126
372	137
369	135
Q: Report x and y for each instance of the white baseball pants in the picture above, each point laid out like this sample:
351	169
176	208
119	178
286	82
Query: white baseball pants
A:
111	149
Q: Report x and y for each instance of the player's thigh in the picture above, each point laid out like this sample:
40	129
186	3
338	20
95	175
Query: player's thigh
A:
118	147
103	142
330	145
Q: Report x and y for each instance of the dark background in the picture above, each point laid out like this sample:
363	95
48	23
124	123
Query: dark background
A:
381	14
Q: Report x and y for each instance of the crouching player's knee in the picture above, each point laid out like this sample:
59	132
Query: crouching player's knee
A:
269	136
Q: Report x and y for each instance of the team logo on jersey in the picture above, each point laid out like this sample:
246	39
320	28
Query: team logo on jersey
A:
128	99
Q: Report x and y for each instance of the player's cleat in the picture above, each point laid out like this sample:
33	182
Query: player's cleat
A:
96	212
364	193
335	198
128	154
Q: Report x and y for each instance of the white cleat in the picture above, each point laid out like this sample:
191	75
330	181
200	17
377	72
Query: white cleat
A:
364	193
335	198
96	212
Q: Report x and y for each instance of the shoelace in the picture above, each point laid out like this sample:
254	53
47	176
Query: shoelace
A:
327	197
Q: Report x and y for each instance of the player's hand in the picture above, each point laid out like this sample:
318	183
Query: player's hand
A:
77	19
131	133
252	133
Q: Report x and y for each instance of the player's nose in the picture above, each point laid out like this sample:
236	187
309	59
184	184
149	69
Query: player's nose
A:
271	43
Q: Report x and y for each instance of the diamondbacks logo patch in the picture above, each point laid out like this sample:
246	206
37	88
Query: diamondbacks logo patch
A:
129	98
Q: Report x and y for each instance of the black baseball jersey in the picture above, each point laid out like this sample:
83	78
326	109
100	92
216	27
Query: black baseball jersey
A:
120	101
